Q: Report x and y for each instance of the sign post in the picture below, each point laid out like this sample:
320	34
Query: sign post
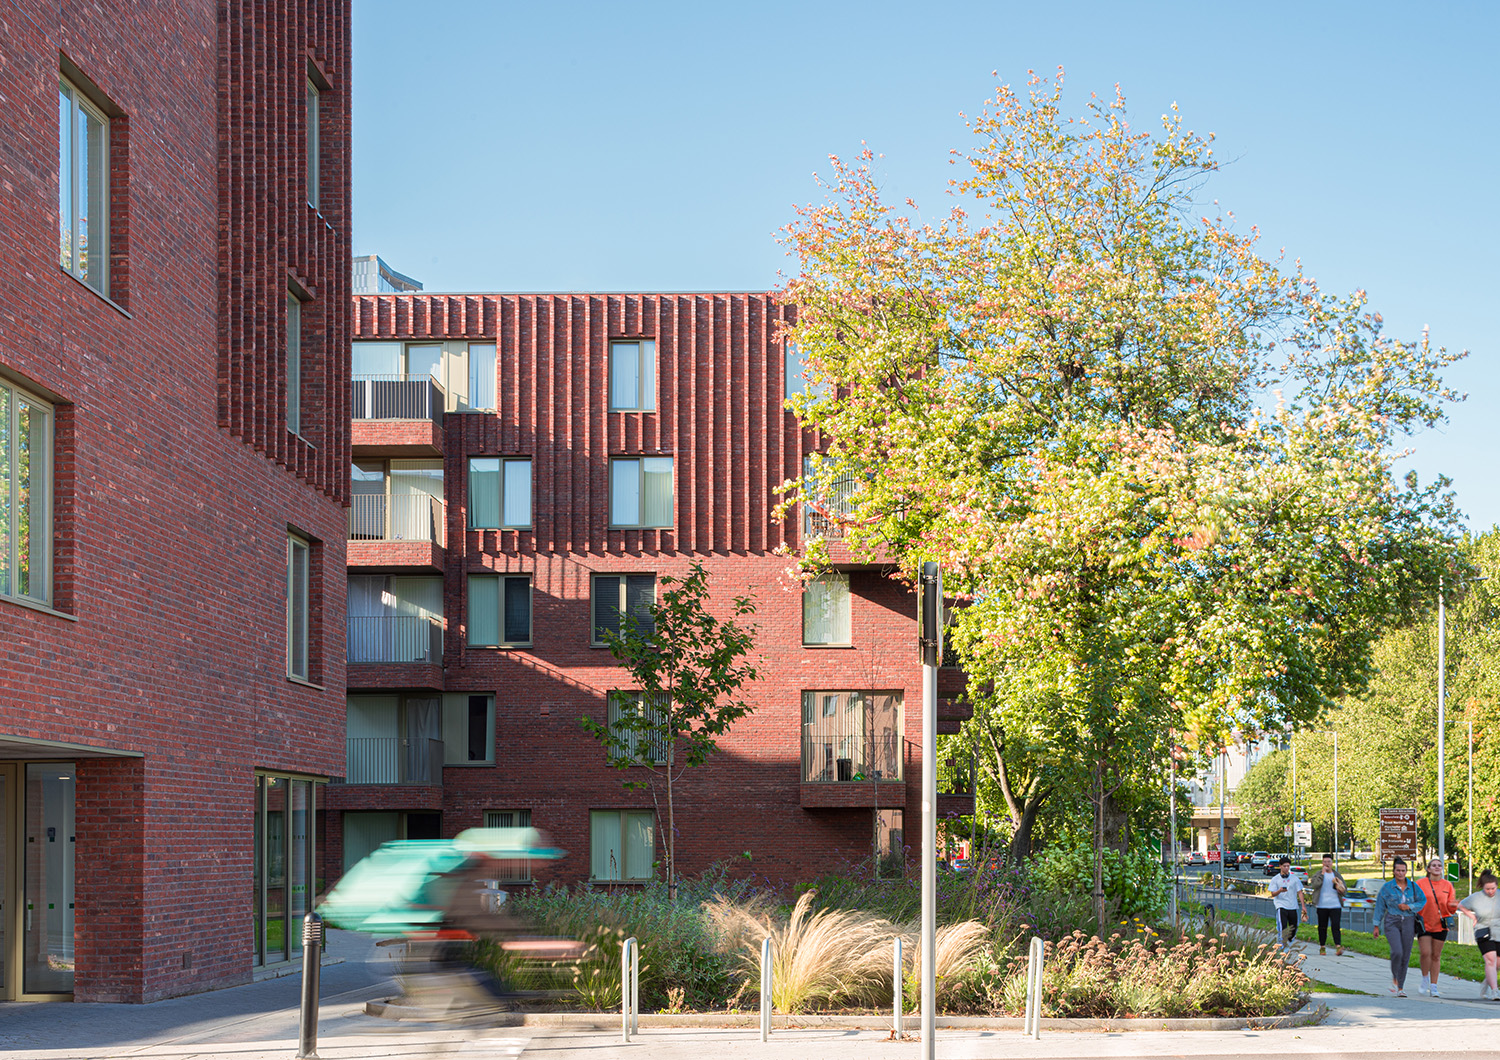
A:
1302	835
930	640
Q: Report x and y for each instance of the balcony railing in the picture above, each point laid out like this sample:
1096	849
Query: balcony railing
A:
395	639
821	512
393	760
397	517
397	397
955	775
840	759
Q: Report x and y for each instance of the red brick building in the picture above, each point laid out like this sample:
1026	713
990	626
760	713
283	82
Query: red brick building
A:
174	453
526	467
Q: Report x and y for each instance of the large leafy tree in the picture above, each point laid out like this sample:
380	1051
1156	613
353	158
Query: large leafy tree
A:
689	668
1066	401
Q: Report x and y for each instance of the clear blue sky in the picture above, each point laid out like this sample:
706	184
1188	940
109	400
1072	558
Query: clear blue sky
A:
660	146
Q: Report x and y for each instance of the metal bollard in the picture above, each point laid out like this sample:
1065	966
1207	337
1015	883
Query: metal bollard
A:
897	977
630	988
765	989
1034	988
312	964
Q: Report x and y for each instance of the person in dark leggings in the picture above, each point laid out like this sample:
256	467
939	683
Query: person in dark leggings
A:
1328	890
1396	910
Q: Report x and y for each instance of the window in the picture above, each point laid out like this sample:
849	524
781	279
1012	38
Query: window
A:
481	375
83	188
890	845
640	746
390	360
398	739
293	362
796	382
510	870
468	728
499	610
622	844
297	565
852	736
499	492
640	491
825	609
396	500
632	376
312	143
395	619
25	496
617	595
825	500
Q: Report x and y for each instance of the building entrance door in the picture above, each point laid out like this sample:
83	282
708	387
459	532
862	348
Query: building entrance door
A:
8	860
36	880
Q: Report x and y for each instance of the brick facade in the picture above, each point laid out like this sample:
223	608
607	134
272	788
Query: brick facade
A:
162	658
719	415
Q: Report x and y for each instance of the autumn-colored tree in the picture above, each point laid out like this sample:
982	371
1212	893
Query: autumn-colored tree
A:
1066	402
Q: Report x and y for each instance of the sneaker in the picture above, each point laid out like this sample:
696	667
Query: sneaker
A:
1434	992
1338	951
1322	951
1422	986
1484	993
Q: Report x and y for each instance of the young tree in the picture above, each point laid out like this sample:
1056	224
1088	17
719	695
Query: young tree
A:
1064	405
689	668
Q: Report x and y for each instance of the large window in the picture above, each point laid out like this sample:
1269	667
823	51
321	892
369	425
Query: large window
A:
400	738
632	376
481	375
288	863
852	736
313	146
622	844
25	496
510	870
640	491
640	746
298	554
499	610
293	363
396	500
825	609
499	492
395	618
83	188
468	728
396	360
618	595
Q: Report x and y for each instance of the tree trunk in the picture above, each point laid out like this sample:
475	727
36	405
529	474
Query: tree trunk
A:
1099	801
1116	825
671	833
1023	806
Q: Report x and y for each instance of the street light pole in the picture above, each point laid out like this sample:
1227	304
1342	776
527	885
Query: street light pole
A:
1442	719
1335	796
1223	757
1470	852
1172	802
1295	818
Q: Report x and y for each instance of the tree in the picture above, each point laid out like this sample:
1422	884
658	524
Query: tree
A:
1065	406
1264	801
688	667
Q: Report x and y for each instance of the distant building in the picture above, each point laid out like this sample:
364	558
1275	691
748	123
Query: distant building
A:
371	275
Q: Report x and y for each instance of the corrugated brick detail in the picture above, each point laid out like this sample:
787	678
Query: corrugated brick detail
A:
269	236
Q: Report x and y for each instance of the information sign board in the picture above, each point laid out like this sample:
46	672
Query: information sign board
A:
1398	834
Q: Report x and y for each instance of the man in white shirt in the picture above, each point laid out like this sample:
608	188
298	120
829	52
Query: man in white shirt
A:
1286	896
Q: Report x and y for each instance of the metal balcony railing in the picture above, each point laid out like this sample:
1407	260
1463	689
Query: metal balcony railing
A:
834	758
397	517
821	512
393	760
397	397
395	639
955	775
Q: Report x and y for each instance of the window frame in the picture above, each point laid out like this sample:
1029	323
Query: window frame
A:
656	747
645	374
314	131
294	541
848	615
10	497
490	734
623	814
519	868
640	492
80	101
501	640
471	514
623	597
295	305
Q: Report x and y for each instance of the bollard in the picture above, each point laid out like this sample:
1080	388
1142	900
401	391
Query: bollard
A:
1034	988
312	963
765	990
630	988
897	977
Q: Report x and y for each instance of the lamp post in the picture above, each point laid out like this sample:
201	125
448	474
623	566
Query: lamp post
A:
1442	720
1223	758
1470	850
1172	812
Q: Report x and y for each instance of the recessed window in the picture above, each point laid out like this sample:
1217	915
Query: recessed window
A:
499	492
796	381
83	188
852	736
825	609
632	376
510	870
468	728
293	363
313	132
481	375
396	360
622	844
619	595
297	583
637	746
499	610
640	491
25	496
396	500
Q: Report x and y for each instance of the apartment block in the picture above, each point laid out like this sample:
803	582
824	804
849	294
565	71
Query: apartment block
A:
174	456
526	469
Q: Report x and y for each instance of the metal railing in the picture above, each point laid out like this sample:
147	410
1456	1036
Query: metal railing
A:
397	517
396	397
829	756
955	775
630	987
1228	900
395	639
821	512
393	760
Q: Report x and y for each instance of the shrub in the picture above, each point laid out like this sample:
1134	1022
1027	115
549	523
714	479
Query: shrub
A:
1135	883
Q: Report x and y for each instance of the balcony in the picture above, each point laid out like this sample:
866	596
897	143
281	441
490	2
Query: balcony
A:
395	639
852	771
397	530
393	760
395	415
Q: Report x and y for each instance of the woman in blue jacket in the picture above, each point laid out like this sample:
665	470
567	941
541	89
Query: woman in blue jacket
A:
1396	909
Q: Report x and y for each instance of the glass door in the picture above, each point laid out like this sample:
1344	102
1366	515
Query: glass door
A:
48	874
8	902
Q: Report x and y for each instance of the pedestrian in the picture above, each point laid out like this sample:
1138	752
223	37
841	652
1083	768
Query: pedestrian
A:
1483	907
1286	896
1396	909
1432	926
1328	890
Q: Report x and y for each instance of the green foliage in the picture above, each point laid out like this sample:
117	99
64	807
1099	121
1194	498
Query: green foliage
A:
1135	883
1265	803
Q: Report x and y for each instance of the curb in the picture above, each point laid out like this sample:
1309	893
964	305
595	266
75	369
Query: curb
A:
391	1008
